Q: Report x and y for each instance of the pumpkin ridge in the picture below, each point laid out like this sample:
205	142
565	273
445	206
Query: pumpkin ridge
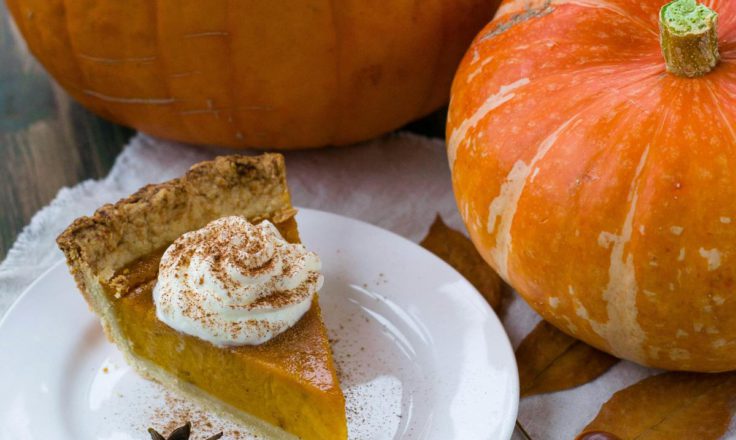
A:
23	23
622	260
600	327
622	282
509	195
163	69
606	238
578	306
83	85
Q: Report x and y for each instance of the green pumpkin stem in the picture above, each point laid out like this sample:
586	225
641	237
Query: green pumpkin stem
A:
688	34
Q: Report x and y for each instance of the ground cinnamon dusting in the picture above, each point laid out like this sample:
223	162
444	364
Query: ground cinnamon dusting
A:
232	244
178	411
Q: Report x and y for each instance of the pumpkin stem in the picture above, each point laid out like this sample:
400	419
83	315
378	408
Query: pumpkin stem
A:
689	37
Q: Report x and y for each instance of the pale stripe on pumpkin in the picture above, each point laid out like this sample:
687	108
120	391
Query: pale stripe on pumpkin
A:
622	330
505	93
520	6
504	205
478	69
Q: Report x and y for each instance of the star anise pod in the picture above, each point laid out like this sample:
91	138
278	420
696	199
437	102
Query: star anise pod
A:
180	433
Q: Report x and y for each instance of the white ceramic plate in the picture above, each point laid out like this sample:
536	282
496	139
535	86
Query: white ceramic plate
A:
421	354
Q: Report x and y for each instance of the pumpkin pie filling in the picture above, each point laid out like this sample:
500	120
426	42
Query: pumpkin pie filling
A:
288	381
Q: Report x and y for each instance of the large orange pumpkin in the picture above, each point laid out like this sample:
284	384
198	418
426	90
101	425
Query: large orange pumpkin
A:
601	184
267	73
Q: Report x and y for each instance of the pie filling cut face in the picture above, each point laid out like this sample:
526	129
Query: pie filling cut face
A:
257	366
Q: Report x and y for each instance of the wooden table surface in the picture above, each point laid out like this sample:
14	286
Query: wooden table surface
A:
47	141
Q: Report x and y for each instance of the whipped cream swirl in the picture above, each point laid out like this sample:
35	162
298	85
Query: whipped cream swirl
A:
235	283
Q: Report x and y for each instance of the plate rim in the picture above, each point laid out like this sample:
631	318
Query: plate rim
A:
491	314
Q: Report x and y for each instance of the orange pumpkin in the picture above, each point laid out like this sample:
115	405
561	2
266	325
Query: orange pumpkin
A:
303	73
600	182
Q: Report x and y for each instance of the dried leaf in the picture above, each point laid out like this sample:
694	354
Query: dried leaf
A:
550	360
155	435
181	433
459	252
670	406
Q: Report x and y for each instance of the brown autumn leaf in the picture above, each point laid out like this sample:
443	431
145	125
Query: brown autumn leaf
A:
670	406
459	252
550	360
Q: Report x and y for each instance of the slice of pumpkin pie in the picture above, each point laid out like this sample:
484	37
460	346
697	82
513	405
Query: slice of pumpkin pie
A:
204	286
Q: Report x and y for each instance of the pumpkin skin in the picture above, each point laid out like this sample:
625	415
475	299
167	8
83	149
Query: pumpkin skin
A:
598	185
257	73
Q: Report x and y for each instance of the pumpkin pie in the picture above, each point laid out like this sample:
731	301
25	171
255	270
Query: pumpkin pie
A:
288	382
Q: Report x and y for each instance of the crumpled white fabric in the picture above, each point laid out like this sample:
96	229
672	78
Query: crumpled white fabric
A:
399	182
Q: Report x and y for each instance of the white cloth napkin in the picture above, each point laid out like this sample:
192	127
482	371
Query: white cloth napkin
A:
399	182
